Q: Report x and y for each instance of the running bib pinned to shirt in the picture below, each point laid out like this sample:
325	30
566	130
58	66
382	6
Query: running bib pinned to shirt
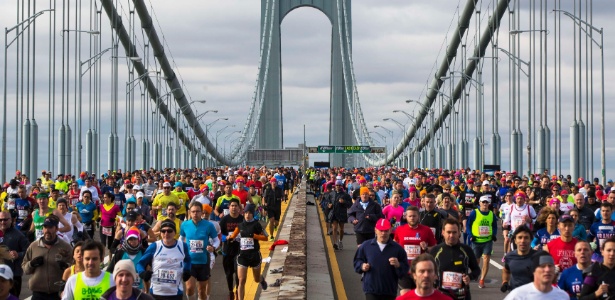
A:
39	233
451	280
246	244
483	231
412	251
22	213
167	276
108	231
196	246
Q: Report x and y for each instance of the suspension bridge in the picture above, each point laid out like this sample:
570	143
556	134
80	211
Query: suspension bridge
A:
94	86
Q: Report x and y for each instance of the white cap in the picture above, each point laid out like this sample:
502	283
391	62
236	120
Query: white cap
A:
166	184
136	187
485	198
140	195
486	182
338	177
412	182
5	272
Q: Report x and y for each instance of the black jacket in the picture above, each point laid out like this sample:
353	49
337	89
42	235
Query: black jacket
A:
15	241
367	217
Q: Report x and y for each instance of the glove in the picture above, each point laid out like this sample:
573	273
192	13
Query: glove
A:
186	276
63	265
472	239
146	275
494	238
37	262
505	287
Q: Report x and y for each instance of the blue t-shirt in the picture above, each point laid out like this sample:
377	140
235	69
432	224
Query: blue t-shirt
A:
571	281
281	179
601	232
86	211
542	237
197	238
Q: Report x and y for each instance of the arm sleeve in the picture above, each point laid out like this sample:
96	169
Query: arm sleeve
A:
471	219
359	260
235	233
187	259
590	285
146	259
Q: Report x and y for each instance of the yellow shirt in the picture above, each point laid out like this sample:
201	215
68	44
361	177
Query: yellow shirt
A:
163	201
183	199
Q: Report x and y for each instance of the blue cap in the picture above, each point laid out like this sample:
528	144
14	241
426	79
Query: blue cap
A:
178	184
609	181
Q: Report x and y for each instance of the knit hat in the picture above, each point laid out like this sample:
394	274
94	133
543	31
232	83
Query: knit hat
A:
249	208
125	265
133	232
363	190
207	208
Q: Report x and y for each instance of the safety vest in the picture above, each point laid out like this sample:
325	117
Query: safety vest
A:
482	227
84	292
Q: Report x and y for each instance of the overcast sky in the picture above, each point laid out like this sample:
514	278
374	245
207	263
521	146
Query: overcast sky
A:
397	46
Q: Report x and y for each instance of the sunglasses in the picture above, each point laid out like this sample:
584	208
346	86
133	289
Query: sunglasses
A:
167	231
4	220
166	188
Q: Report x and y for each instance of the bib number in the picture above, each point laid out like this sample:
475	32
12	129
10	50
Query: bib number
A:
451	280
483	231
107	231
39	233
412	251
196	246
246	244
167	276
226	211
22	213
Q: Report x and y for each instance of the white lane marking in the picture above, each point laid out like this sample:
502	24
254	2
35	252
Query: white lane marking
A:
495	264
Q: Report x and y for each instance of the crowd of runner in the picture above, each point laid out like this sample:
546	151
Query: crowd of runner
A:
428	234
138	235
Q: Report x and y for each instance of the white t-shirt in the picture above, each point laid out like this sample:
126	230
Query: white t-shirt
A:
529	292
69	288
505	209
566	207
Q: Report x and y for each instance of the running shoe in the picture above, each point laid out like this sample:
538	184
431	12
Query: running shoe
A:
335	246
340	245
481	284
264	284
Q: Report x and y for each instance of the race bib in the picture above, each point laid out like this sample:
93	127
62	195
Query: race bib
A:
483	231
468	212
412	251
225	211
108	231
11	205
519	222
22	213
451	280
246	244
137	282
39	233
196	246
167	276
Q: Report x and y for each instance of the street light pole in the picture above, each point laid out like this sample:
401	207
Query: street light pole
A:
7	44
516	60
578	21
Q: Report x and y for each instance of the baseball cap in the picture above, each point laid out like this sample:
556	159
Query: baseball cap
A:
5	272
136	187
140	195
609	181
42	195
339	182
131	216
166	184
125	265
383	224
273	179
178	184
486	182
565	218
554	200
50	222
485	198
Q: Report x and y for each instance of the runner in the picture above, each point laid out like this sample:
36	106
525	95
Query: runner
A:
562	247
602	230
518	262
571	279
415	238
456	263
482	229
338	214
249	232
197	233
272	200
230	250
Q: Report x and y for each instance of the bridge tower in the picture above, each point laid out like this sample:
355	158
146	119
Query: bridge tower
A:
270	131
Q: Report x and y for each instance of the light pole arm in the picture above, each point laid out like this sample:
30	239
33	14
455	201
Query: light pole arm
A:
28	20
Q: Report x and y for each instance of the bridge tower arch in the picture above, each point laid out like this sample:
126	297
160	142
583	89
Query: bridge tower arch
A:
270	131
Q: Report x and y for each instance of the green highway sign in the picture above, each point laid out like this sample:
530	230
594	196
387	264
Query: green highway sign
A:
345	149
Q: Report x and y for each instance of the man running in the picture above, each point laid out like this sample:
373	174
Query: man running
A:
482	229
